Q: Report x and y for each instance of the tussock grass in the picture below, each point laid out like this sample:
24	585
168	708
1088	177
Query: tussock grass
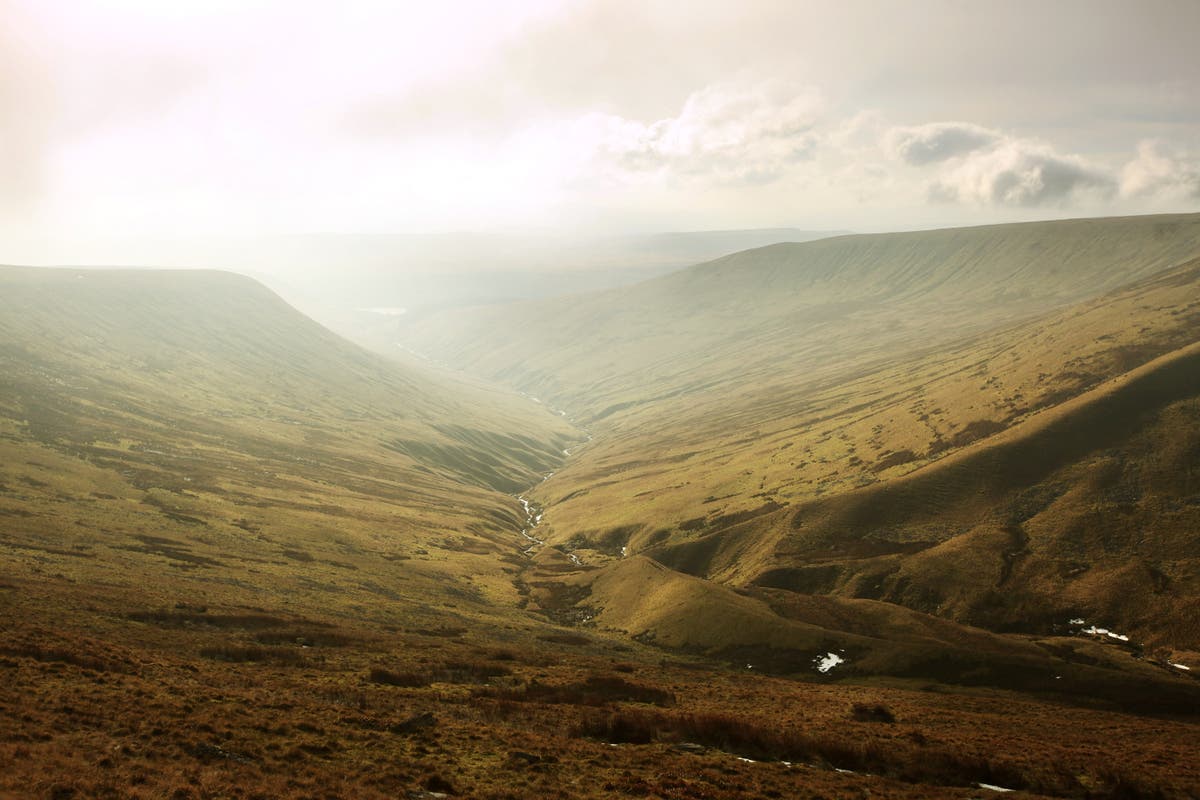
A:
62	655
461	672
905	760
868	712
597	690
281	656
185	618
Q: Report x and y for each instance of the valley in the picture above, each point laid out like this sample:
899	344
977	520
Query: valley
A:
860	516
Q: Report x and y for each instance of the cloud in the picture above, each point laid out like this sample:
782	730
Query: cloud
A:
1158	172
938	141
983	166
730	134
1020	173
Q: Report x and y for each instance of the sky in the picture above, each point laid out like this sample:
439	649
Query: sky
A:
142	119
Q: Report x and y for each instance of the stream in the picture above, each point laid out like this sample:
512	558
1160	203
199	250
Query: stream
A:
533	518
533	514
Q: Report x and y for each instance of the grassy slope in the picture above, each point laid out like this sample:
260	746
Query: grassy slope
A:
765	315
786	633
1084	509
193	425
799	431
721	367
706	482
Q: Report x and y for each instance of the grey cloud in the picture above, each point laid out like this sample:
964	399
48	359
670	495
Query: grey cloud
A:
1020	173
938	141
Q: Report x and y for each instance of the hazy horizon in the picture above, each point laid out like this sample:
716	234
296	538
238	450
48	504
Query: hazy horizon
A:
131	126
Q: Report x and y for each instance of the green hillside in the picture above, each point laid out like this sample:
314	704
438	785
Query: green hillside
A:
193	420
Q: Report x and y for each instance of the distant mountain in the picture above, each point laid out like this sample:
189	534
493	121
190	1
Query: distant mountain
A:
333	276
344	280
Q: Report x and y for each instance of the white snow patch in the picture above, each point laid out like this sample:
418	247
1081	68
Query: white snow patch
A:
747	760
992	788
1094	631
1077	621
828	661
624	552
1180	666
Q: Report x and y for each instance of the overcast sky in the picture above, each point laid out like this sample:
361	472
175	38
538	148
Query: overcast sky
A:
162	118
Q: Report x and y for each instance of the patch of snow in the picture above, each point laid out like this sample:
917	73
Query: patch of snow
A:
993	788
845	771
575	559
624	552
1180	666
827	662
1094	631
747	760
1077	621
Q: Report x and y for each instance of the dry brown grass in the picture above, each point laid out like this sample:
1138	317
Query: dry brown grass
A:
169	723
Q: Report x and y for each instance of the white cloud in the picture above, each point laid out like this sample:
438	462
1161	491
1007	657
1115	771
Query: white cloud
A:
731	134
1159	172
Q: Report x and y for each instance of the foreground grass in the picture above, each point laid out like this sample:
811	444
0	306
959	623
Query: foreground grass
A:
102	697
